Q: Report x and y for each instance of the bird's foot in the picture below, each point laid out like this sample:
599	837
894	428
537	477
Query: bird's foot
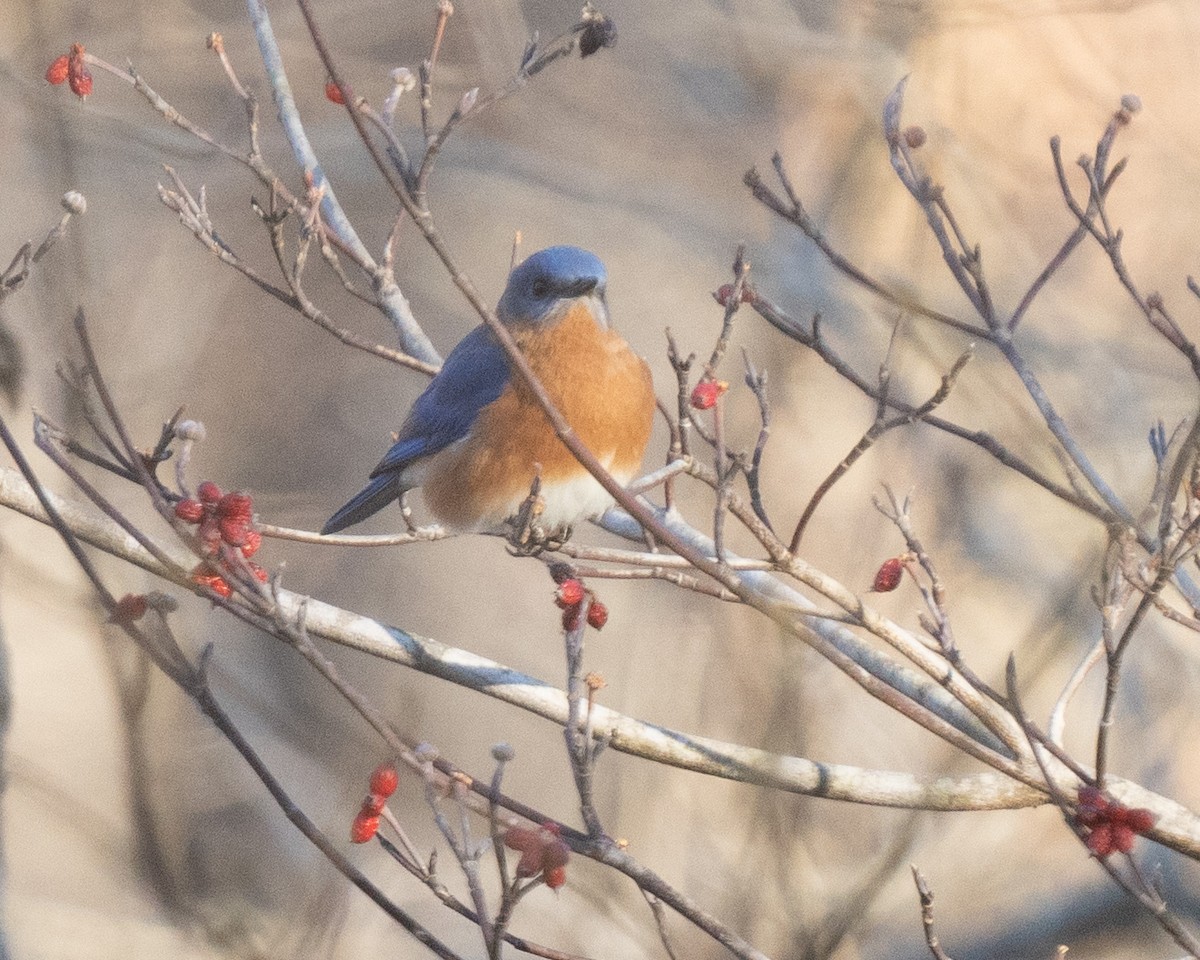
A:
527	537
531	539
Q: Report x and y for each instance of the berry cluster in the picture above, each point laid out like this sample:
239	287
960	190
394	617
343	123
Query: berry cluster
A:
1111	825
569	598
224	520
383	784
543	851
71	69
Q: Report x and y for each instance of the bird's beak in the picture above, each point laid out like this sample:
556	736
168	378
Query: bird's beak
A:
600	309
577	288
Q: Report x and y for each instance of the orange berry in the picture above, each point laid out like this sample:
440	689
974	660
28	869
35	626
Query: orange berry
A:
333	93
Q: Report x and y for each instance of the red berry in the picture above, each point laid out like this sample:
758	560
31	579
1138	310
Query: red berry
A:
236	506
333	92
233	530
569	593
129	608
56	73
364	827
77	75
597	615
260	574
252	543
1139	820
1100	840
543	852
208	492
384	780
216	583
887	577
520	838
80	82
725	291
373	805
1111	825
707	392
189	510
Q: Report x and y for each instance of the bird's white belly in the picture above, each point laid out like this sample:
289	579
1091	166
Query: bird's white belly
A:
565	503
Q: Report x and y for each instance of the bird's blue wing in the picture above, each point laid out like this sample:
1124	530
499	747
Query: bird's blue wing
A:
473	376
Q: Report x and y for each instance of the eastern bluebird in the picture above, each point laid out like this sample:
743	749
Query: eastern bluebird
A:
476	438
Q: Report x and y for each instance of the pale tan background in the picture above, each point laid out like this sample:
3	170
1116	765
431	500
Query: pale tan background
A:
637	154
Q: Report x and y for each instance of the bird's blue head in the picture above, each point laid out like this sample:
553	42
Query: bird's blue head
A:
545	284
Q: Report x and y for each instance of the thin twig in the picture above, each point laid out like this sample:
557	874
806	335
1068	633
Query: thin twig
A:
581	749
926	896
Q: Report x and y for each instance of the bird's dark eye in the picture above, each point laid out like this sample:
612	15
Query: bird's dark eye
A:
540	288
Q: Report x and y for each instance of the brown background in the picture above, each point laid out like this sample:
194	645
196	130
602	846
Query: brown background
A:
636	154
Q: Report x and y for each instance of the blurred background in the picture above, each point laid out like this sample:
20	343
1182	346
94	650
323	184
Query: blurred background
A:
145	836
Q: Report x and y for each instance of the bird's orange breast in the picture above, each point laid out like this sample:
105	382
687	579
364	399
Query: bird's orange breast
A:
606	394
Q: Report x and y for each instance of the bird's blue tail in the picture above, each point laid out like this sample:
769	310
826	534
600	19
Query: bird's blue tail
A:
374	497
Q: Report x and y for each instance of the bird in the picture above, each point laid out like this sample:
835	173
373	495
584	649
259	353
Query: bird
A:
476	438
